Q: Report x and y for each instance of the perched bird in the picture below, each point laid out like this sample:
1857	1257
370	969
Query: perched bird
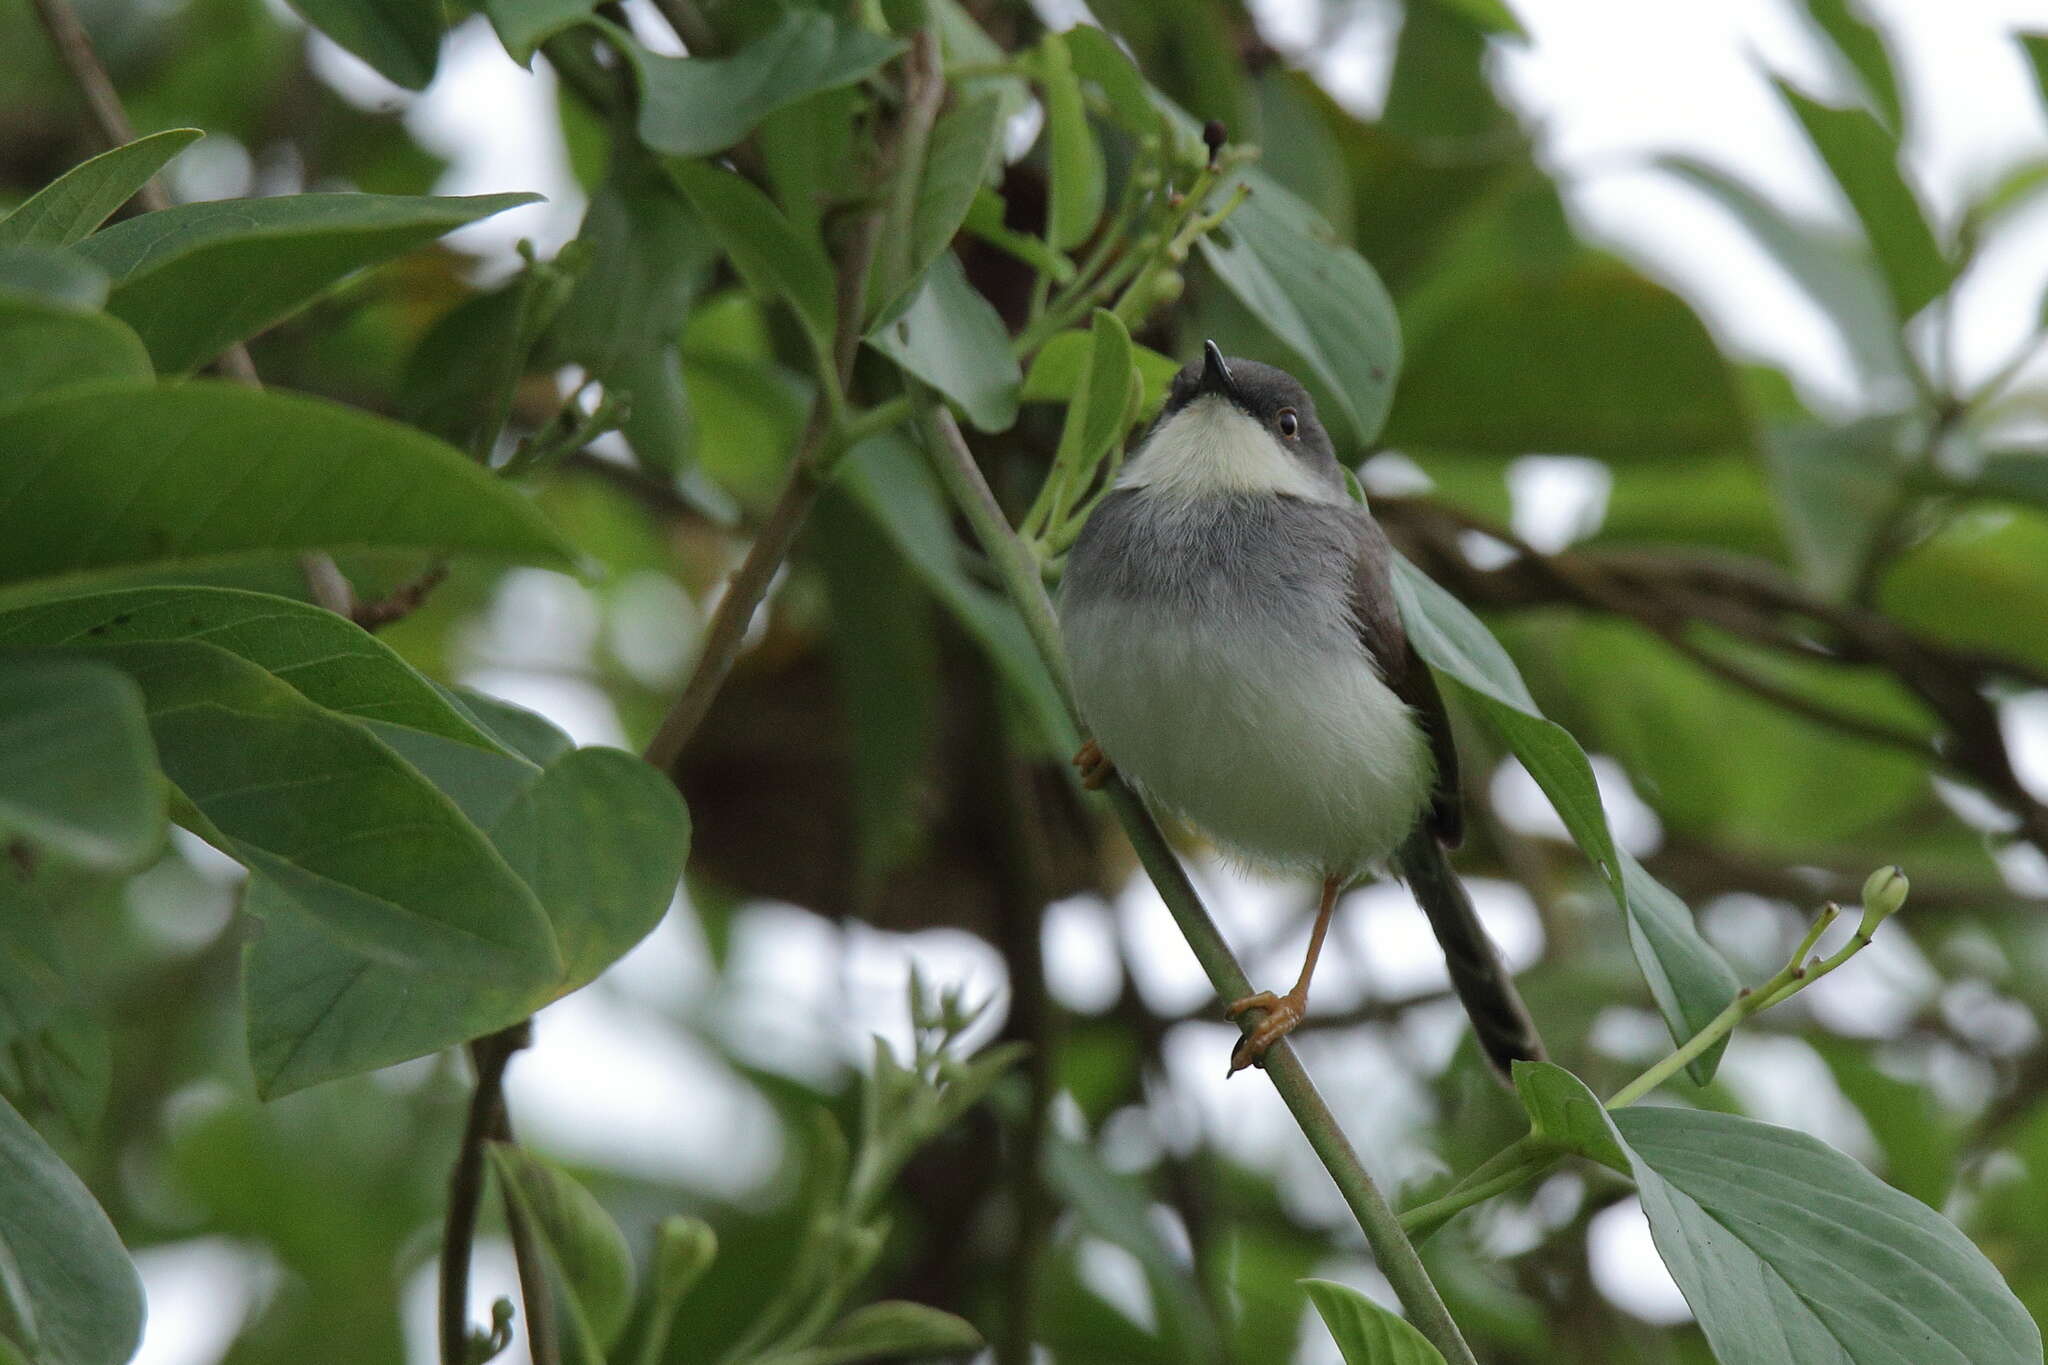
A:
1237	653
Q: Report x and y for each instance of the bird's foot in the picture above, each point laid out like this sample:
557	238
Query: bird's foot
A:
1096	769
1283	1012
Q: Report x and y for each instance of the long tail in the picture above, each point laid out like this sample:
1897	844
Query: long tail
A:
1481	979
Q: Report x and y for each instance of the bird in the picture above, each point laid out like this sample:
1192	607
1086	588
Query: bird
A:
1237	655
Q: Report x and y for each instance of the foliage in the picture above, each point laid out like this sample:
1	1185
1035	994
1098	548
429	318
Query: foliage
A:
242	625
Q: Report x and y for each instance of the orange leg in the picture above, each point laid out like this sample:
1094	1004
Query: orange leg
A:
1282	1012
1094	765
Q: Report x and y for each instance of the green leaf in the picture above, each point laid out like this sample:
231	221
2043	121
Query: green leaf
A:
1977	582
1564	1113
964	143
598	837
591	1264
205	470
79	200
71	1296
1841	279
1864	160
527	733
953	339
461	373
770	254
46	346
1689	980
524	25
1096	57
985	221
401	39
42	274
1319	299
1850	31
1834	488
1366	1333
1061	365
168	267
1077	171
77	773
1594	360
895	1328
2035	46
1101	409
695	106
1788	1250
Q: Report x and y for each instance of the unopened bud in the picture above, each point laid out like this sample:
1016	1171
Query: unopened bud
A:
683	1250
1884	891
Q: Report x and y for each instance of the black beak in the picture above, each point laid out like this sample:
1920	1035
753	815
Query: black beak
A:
1215	374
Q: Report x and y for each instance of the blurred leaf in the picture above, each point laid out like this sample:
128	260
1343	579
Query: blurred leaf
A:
1439	87
1844	282
524	25
1563	1112
2021	476
1689	980
1977	583
599	838
206	469
894	1328
465	366
985	220
1835	486
1100	411
1864	160
59	1076
953	339
1594	360
527	733
1076	161
400	38
770	254
1718	500
1849	29
1788	1250
964	142
1061	365
82	198
1319	298
586	1251
805	148
1921	1140
2035	46
1299	148
168	267
40	274
695	106
1489	16
78	776
1096	57
1366	1333
71	1296
45	346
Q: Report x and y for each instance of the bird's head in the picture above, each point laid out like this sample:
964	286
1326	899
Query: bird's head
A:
1237	426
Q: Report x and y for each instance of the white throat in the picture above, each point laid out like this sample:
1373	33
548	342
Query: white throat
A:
1211	446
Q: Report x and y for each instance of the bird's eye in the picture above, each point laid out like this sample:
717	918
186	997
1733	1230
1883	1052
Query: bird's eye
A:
1289	423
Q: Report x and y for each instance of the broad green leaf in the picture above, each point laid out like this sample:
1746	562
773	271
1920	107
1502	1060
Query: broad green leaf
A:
45	346
79	200
527	733
1593	360
1097	58
78	775
333	817
598	837
71	1296
524	25
206	470
1102	406
1863	158
886	476
461	371
1841	278
326	658
168	268
42	274
894	1329
1318	298
592	1265
1078	176
770	254
953	339
1921	1140
1689	980
1061	365
964	143
1788	1250
1977	582
1852	34
1564	1113
400	38
1366	1333
805	148
695	106
1835	486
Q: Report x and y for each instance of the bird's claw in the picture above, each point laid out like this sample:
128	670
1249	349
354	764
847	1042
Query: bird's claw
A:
1283	1012
1095	766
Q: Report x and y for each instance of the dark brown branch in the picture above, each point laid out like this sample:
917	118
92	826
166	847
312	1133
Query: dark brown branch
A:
402	601
487	1121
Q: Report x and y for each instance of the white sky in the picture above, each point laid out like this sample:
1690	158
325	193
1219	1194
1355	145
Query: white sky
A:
1609	84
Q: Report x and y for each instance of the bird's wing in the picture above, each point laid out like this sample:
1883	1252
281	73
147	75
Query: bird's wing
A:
1378	617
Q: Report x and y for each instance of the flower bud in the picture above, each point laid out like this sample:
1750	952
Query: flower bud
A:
1884	891
683	1250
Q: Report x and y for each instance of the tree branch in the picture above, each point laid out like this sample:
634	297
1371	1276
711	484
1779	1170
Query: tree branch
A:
487	1121
1019	572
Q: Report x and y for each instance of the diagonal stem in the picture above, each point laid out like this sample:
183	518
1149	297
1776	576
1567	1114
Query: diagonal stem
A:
1018	571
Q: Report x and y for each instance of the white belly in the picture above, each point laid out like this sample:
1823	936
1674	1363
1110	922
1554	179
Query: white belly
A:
1288	756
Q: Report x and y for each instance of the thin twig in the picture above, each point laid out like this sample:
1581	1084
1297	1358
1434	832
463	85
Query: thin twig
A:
489	1054
75	50
403	600
1013	562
